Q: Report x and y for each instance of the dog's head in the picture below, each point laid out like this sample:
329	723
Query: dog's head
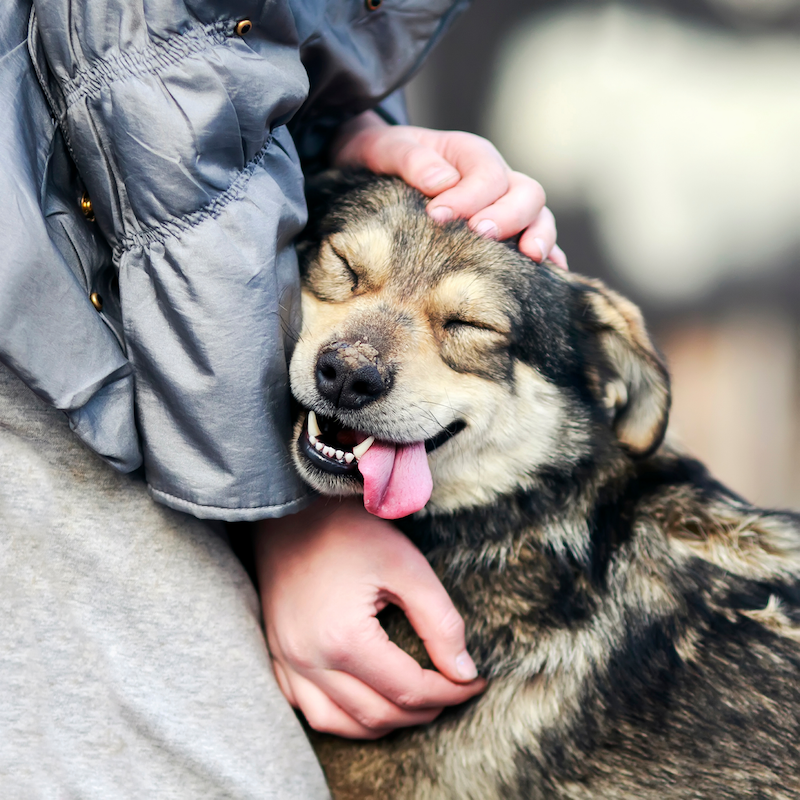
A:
435	363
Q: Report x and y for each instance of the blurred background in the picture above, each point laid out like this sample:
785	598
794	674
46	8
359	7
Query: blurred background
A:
667	137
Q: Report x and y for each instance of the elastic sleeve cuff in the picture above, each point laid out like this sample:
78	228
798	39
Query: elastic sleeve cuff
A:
233	514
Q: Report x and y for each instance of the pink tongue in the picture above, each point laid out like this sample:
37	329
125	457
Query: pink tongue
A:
397	479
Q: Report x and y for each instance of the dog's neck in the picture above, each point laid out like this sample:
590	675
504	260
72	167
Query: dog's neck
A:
558	544
553	496
580	515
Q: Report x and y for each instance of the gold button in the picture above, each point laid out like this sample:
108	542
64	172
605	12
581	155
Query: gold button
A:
243	27
373	5
97	301
87	208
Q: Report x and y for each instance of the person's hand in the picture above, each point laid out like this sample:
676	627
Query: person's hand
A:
464	174
324	574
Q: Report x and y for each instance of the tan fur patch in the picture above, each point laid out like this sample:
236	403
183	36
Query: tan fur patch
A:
747	544
369	250
469	297
497	453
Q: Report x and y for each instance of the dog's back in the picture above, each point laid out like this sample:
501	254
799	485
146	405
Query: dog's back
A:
639	624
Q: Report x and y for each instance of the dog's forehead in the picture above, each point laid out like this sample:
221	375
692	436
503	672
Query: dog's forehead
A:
401	251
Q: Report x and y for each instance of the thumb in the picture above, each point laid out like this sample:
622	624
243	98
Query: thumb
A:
431	612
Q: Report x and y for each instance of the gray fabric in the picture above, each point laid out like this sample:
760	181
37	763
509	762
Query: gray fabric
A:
177	128
50	334
132	663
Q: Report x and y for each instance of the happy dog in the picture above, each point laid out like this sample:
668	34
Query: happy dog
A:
638	623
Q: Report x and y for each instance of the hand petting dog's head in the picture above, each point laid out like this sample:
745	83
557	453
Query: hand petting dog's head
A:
437	367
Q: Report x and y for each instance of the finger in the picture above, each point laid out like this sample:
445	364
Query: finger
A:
369	656
433	616
366	706
484	178
323	715
419	165
538	240
515	211
558	257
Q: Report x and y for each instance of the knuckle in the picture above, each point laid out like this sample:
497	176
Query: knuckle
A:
409	700
472	143
409	158
296	653
336	646
466	139
480	142
319	719
451	625
376	721
533	188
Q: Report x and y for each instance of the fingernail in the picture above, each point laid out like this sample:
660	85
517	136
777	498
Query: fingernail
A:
466	667
441	214
542	249
487	228
437	177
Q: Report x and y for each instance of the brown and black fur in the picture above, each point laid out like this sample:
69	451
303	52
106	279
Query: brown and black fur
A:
638	623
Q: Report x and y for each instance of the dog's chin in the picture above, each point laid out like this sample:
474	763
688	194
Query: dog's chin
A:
327	453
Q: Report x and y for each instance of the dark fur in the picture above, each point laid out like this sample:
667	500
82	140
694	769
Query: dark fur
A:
639	624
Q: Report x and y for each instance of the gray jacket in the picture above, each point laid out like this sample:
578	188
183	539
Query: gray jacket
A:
152	183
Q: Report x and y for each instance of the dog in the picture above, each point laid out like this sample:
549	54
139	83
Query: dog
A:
638	623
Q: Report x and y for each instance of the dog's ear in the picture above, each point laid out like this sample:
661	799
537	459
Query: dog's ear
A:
628	378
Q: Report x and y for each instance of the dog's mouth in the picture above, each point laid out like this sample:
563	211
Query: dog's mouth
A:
396	476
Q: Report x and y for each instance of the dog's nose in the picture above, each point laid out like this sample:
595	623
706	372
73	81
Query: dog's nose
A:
348	382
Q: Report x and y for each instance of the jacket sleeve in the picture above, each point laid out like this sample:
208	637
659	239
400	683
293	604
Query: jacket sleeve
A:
357	59
50	333
176	124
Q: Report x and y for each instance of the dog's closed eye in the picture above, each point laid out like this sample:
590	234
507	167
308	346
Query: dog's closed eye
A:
455	324
349	270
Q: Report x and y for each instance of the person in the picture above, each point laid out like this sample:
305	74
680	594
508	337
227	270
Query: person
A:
153	164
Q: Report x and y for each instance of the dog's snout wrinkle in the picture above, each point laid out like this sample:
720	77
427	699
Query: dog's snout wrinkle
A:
347	375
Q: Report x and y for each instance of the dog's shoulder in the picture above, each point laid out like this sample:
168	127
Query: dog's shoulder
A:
703	520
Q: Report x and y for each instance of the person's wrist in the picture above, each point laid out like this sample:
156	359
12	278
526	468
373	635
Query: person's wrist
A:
272	536
360	126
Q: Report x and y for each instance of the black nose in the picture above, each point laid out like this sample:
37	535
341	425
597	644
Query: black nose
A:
348	385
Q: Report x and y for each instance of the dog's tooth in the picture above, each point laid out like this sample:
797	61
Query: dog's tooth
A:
312	439
360	449
318	445
329	451
313	426
340	454
348	457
